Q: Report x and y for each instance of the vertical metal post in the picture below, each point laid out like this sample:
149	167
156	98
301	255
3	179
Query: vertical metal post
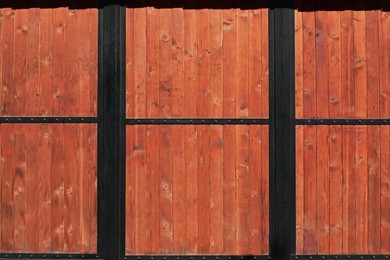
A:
282	130
111	130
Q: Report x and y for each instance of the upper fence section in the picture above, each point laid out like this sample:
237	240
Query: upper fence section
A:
342	59
48	59
191	59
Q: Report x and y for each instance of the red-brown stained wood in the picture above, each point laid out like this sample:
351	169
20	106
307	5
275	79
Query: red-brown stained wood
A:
385	188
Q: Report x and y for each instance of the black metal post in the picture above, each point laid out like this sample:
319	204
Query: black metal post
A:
111	130
282	130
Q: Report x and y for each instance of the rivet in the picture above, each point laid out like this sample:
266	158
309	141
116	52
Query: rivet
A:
216	257
57	256
6	256
254	257
151	257
31	256
6	120
82	256
191	258
242	257
97	257
296	257
19	256
309	121
373	257
70	120
19	119
242	121
361	257
310	257
323	257
321	121
229	258
32	119
177	258
334	121
44	256
203	257
57	119
360	121
203	121
372	121
387	257
44	119
335	257
346	121
229	121
349	257
139	258
125	257
165	257
178	121
384	121
216	121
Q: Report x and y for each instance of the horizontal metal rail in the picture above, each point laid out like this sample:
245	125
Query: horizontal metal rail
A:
48	120
197	121
344	121
49	256
340	257
198	257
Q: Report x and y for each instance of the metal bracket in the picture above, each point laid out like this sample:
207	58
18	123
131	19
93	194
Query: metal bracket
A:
197	121
198	257
340	257
345	121
49	256
48	120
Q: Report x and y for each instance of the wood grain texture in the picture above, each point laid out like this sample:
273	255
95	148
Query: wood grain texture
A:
190	191
45	199
33	49
210	44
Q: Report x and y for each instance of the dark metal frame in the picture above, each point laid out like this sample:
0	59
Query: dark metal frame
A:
111	122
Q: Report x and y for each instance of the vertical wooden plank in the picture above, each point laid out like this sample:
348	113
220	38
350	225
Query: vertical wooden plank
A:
178	162
57	188
264	61
203	110
94	12
300	217
130	61
310	151
384	79
8	50
131	186
374	132
84	105
203	55
360	71
190	145
322	83
19	150
242	134
2	94
385	188
216	189
229	132
45	179
152	132
310	146
93	188
7	206
32	136
203	182
71	133
165	132
348	147
349	180
335	137
216	132
265	202
255	89
139	145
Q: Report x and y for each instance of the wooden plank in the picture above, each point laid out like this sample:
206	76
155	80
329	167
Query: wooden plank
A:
229	132
264	61
32	63
93	188
265	203
8	41
165	132
94	13
7	205
384	79
385	189
360	73
71	134
57	188
190	132
130	59
203	182
310	184
19	150
152	109
322	83
309	64
242	132
335	135
32	191
374	132
299	99
131	187
229	190
2	95
44	176
178	162
216	188
349	180
203	55
46	62
216	132
84	105
256	91
255	187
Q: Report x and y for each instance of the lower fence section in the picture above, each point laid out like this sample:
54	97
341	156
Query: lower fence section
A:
197	189
343	189
340	257
48	188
